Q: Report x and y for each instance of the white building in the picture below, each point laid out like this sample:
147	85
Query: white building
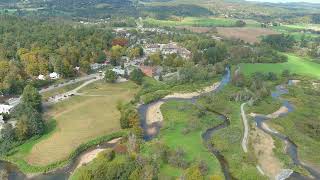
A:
96	66
41	77
118	71
5	108
54	75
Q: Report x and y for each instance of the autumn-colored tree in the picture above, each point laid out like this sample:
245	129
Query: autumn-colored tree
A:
134	53
155	58
116	54
120	41
193	173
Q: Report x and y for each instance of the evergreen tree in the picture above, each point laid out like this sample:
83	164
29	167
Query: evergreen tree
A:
110	76
32	98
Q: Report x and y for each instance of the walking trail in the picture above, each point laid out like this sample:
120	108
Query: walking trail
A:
244	142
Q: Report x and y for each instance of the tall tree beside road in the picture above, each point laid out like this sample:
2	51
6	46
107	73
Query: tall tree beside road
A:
31	97
110	76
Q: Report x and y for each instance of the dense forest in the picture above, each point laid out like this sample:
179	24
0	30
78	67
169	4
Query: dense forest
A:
32	47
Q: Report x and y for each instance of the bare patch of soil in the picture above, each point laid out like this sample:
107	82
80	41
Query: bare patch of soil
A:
263	146
250	35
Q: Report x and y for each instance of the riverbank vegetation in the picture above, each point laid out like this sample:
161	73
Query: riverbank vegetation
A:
182	128
302	125
172	154
228	140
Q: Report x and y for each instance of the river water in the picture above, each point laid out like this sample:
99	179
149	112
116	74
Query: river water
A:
59	174
63	173
291	147
206	136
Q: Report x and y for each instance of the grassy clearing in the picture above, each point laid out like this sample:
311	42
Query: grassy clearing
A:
228	140
298	65
179	116
193	21
79	120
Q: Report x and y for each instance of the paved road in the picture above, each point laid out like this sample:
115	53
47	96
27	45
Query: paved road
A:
246	129
16	101
72	92
84	78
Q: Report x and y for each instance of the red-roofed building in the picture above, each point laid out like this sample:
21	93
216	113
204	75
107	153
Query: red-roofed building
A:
148	70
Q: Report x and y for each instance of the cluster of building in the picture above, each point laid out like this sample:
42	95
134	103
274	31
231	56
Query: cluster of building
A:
166	49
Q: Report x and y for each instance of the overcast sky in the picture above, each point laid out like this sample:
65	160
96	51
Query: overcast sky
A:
276	1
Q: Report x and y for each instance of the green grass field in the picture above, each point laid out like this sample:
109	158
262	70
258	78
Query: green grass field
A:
295	64
79	120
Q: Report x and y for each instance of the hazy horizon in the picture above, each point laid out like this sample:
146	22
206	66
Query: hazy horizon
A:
287	1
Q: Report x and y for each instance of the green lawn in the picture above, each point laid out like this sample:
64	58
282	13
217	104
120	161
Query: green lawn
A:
298	65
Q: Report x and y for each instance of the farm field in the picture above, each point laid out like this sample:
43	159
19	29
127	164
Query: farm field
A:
193	21
247	34
315	27
178	118
295	64
81	119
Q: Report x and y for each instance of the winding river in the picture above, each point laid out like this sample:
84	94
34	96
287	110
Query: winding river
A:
291	147
58	174
206	136
63	173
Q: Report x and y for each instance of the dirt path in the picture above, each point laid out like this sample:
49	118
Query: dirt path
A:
246	129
